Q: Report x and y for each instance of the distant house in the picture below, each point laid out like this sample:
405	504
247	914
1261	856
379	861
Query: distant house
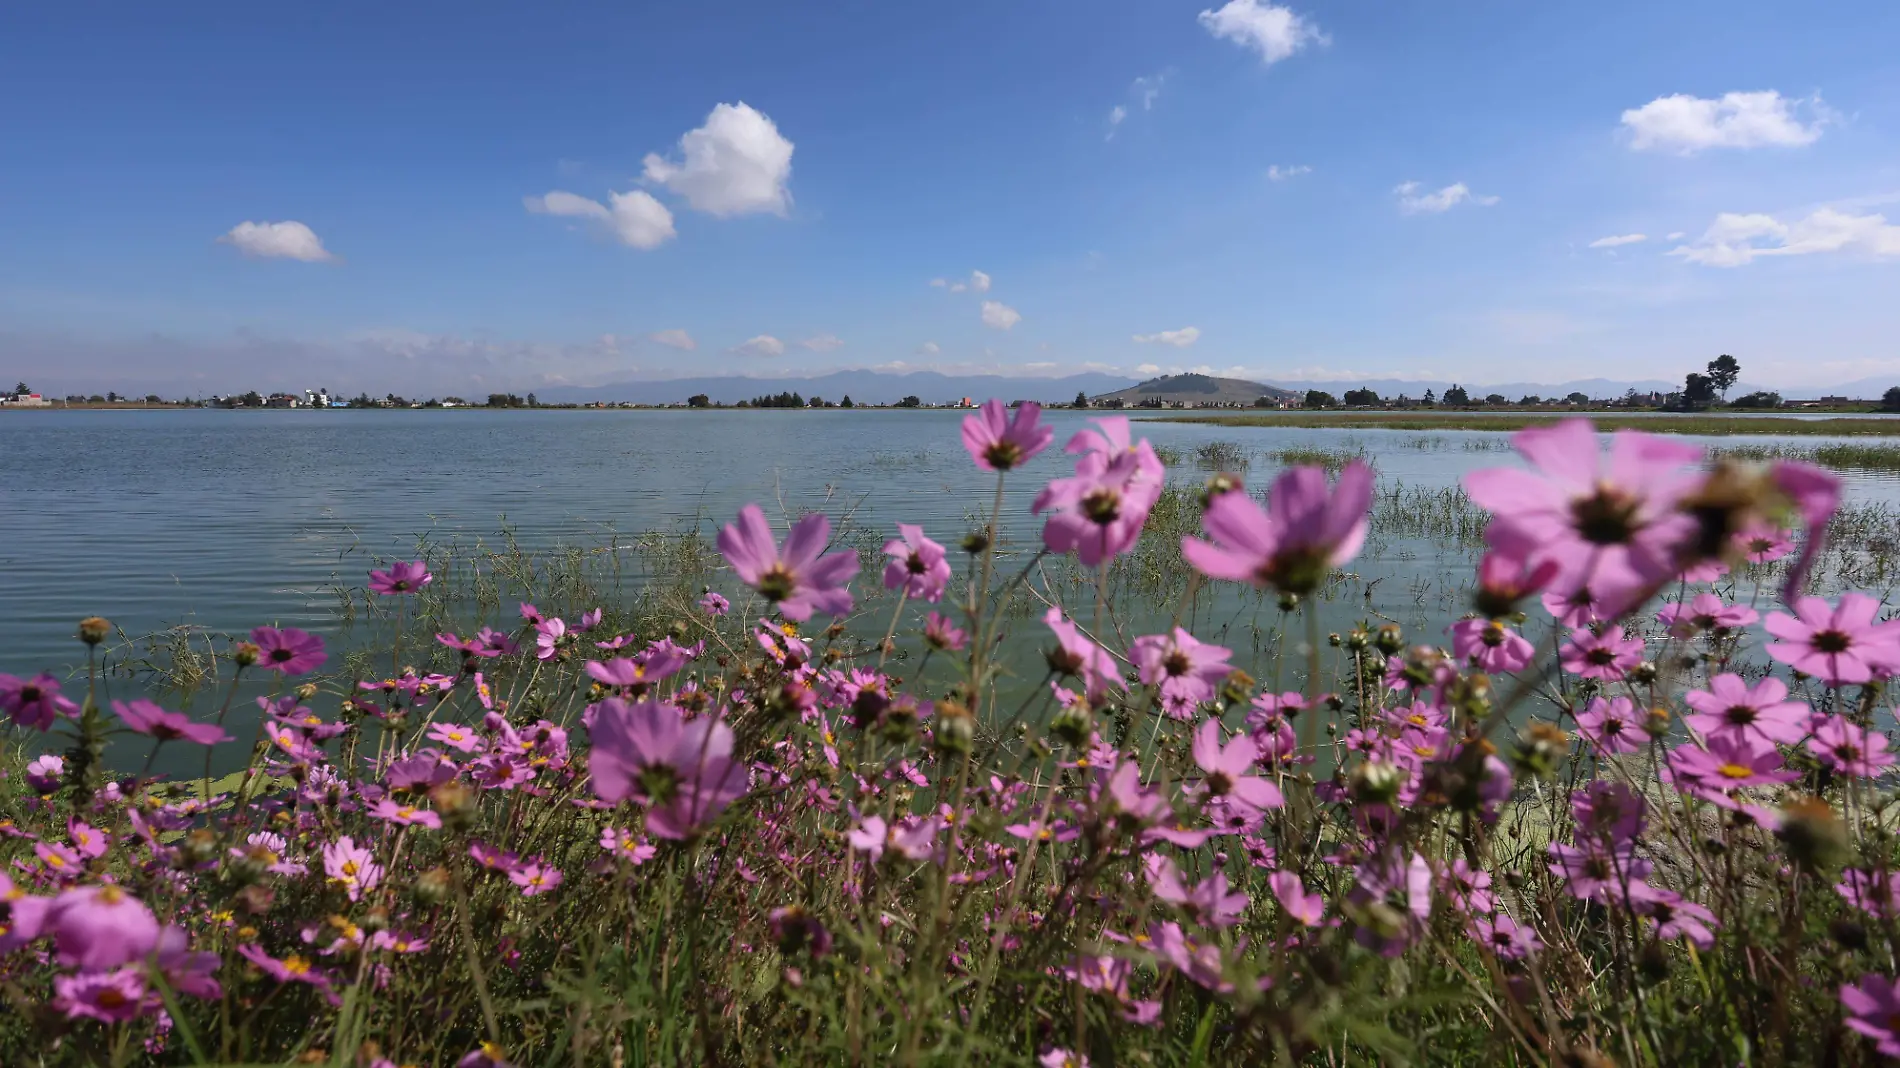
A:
283	400
25	400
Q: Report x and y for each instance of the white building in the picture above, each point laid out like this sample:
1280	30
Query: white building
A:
25	400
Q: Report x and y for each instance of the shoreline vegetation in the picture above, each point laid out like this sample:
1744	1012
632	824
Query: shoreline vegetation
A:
1660	423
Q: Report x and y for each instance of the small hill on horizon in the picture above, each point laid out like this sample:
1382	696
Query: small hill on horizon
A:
1196	389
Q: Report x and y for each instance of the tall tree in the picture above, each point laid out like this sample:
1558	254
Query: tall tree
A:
1723	371
1697	390
1081	399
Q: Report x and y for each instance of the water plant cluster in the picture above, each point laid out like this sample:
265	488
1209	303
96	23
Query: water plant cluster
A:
1612	816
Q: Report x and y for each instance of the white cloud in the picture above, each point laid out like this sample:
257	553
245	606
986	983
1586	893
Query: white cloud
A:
1147	368
278	241
1619	240
1734	240
1115	116
1273	31
763	345
675	338
1277	173
1148	88
1411	201
736	164
1676	235
978	283
635	219
1180	339
1689	124
822	343
999	315
928	348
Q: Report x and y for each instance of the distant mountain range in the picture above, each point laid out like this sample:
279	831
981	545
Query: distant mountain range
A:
879	387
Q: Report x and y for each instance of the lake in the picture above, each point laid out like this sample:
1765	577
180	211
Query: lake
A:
228	519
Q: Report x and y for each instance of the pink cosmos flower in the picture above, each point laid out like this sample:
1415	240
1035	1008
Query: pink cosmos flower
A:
1729	706
1873	1009
34	703
682	770
98	928
292	969
45	773
1207	902
1839	646
941	633
1612	725
998	441
549	635
87	840
352	867
714	604
1816	496
1187	671
288	650
1225	769
1592	873
1607	656
147	718
1729	763
535	878
1506	937
1099	511
22	915
405	815
1763	543
1706	612
1308	909
1057	1057
648	667
917	564
493	859
1609	523
1078	656
1504	580
1870	891
800	577
627	846
1491	645
1293	544
871	835
1675	916
1849	749
109	997
1577	610
401	577
455	736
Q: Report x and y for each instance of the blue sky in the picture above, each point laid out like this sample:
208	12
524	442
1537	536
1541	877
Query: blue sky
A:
1227	182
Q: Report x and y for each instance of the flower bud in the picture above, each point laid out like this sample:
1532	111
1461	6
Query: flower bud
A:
1656	724
898	723
1357	639
1376	782
256	899
1237	688
1813	834
1072	723
455	803
93	630
245	654
1643	673
432	887
1289	601
1390	639
306	691
201	847
1219	484
1541	748
1334	640
955	728
975	542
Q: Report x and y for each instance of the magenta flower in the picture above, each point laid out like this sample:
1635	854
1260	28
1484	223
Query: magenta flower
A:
801	577
1816	496
1839	646
1187	671
1612	524
288	650
1607	656
292	969
1292	545
1225	769
1591	873
147	718
352	867
109	997
871	835
1099	511
455	736
917	564
1873	1009
1849	749
535	878
1729	706
1491	645
998	441
1207	902
714	604
648	667
1706	612
627	846
97	928
1504	580
683	771
45	773
941	633
405	815
549	635
1729	763
1307	908
1612	725
1763	543
1506	937
1078	656
34	702
1056	1056
401	577
22	916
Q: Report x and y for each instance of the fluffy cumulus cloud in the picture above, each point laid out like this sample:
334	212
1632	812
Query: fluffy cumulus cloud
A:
999	315
1619	240
634	218
978	282
675	338
1147	368
822	343
763	345
1689	124
1273	31
1144	92
736	164
929	348
1180	339
277	241
1277	173
1735	240
1413	201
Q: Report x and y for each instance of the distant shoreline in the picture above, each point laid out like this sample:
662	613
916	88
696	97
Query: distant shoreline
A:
1658	422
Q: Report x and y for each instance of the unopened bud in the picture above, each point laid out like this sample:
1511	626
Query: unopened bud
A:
1289	601
432	887
1376	782
975	542
1390	639
1357	640
1072	723
306	691
201	846
1218	485
1813	834
1237	687
455	803
1643	674
1541	748
93	630
1656	723
955	727
245	654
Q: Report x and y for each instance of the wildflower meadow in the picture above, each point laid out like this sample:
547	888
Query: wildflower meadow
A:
1634	808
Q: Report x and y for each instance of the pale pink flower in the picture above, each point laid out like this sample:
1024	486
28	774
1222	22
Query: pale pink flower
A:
998	441
1608	656
917	564
1491	645
1292	545
1185	670
1842	645
1225	769
800	577
1730	706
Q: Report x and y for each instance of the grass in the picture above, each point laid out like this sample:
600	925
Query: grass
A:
1659	424
1841	456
